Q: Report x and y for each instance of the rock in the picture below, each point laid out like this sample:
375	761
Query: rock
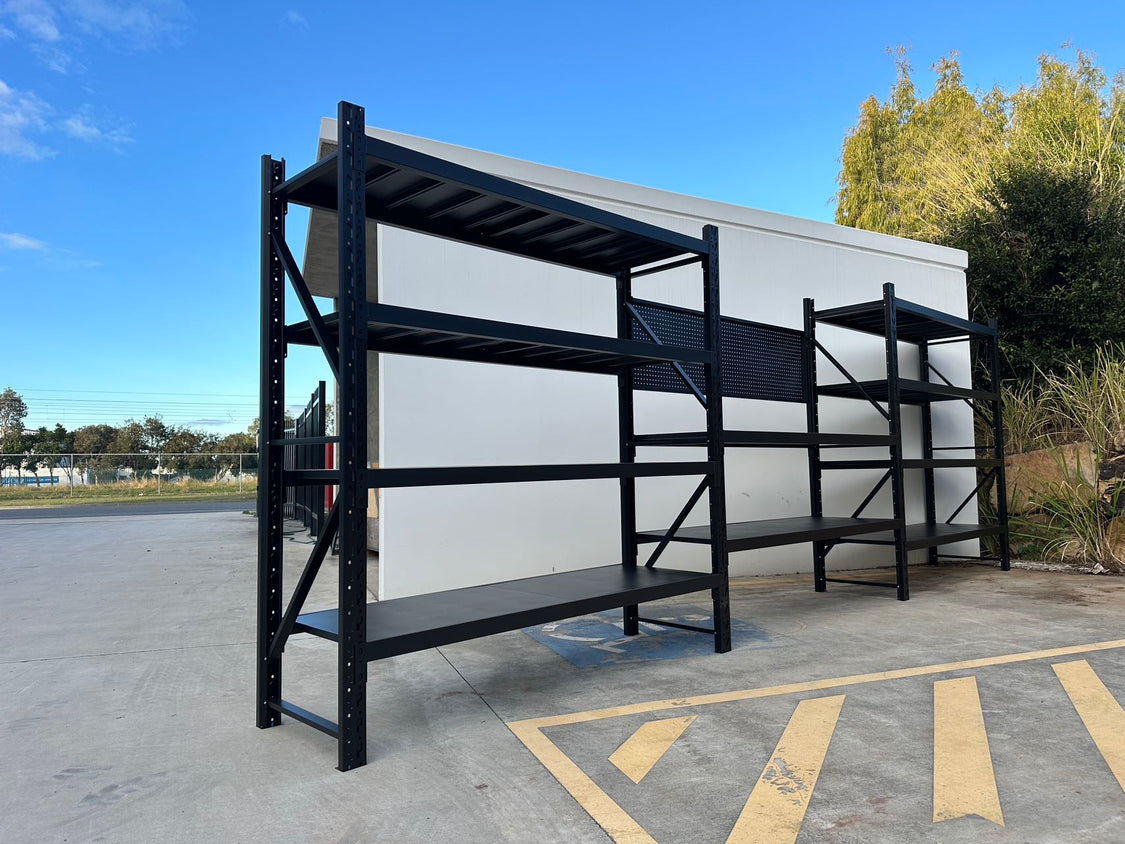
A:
1035	474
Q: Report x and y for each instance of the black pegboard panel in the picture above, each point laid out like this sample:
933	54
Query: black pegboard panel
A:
759	361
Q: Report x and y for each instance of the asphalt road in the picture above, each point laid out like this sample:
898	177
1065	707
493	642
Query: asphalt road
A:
139	508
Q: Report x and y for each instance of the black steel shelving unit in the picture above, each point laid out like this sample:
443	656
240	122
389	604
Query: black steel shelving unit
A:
370	179
767	363
898	320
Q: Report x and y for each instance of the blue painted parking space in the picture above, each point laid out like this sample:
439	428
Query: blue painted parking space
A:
598	639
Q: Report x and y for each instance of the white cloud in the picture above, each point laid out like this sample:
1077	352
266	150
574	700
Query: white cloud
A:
24	117
46	255
292	16
35	17
81	126
22	114
144	24
6	33
132	24
56	59
15	240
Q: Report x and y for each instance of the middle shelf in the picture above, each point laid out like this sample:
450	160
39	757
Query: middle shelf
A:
769	533
409	331
910	391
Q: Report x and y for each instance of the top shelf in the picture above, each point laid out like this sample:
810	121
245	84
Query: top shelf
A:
916	323
412	190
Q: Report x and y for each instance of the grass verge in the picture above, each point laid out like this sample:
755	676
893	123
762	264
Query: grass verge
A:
62	495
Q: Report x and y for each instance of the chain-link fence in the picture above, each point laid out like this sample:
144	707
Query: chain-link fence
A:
225	472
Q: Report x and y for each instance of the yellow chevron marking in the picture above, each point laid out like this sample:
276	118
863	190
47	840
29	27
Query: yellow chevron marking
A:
964	781
647	745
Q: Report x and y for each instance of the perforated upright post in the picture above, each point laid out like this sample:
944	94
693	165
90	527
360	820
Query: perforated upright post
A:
271	429
812	426
712	338
627	450
351	307
894	424
930	494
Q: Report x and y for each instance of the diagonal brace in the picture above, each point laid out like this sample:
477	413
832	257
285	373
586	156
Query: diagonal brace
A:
695	391
871	495
308	577
852	380
980	485
987	420
316	321
664	540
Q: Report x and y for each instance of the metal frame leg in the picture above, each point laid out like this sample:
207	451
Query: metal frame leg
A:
930	494
712	334
894	408
627	452
351	306
271	490
812	426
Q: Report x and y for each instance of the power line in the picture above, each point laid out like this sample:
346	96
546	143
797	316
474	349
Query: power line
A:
136	393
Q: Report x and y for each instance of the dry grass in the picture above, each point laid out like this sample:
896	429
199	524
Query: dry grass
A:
148	488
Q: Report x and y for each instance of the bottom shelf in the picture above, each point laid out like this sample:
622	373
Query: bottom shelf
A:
768	533
928	534
405	625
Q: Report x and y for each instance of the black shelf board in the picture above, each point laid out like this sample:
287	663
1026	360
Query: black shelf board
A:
387	478
405	625
412	190
915	323
915	463
765	439
910	392
409	331
768	533
952	463
928	534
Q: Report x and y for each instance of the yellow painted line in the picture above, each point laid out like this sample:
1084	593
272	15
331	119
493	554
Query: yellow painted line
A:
813	685
964	781
647	745
616	821
776	807
1099	711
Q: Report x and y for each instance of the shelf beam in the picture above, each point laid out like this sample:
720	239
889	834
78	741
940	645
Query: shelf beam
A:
399	330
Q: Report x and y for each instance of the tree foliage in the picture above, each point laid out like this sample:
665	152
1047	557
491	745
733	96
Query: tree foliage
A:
13	410
1030	182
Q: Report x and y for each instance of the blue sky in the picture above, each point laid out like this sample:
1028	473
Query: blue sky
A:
130	136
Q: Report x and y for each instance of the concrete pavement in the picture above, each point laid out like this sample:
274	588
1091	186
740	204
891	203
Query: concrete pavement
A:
126	677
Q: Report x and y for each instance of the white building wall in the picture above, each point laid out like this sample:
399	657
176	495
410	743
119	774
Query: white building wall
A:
436	413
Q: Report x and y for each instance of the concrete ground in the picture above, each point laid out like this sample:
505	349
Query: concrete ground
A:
126	711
